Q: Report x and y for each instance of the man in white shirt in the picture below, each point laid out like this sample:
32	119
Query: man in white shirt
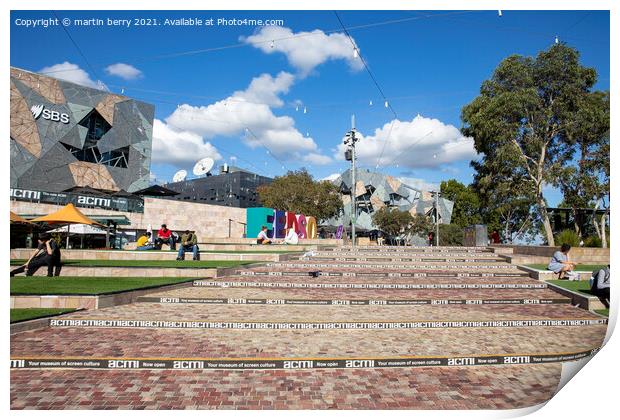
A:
291	237
262	238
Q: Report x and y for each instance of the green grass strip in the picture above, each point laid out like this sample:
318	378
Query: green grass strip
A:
604	312
188	263
42	285
579	267
575	286
24	314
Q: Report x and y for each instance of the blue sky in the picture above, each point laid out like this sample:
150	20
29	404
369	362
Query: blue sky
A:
242	101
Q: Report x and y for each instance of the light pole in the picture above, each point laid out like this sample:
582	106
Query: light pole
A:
349	154
436	205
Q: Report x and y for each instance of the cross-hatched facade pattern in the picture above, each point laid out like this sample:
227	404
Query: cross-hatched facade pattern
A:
64	135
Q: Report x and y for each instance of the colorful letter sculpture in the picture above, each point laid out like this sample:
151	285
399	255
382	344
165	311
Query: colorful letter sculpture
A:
339	232
279	224
311	228
257	217
301	226
291	220
277	221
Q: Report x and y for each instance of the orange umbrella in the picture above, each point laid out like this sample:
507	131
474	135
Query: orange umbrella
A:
68	215
15	218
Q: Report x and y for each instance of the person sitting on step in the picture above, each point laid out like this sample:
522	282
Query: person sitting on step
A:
189	241
560	263
144	243
262	238
47	253
164	236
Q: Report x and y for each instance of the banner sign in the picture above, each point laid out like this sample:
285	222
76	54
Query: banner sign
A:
334	325
351	302
318	257
409	267
294	363
254	284
373	274
132	205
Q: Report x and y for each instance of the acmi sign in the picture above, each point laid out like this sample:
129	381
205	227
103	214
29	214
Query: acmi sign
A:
93	201
47	114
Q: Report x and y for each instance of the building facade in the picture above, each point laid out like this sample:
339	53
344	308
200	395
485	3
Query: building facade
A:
233	187
375	190
65	136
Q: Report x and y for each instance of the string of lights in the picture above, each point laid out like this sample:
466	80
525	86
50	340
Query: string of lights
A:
273	41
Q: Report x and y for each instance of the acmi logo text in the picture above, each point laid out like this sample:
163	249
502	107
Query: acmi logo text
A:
298	364
94	201
462	361
188	364
516	359
41	111
124	364
18	363
360	363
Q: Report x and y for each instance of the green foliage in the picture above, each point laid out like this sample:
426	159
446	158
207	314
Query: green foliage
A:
592	242
466	209
567	237
525	123
450	235
421	225
393	221
298	192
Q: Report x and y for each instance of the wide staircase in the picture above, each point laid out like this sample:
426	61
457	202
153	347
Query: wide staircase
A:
338	328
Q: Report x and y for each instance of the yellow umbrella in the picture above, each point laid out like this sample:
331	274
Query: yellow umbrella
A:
68	215
15	218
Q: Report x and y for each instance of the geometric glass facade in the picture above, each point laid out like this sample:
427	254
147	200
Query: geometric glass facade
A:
64	135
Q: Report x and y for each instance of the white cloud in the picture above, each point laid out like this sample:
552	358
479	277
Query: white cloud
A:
179	147
71	73
317	159
419	184
419	143
331	177
124	71
305	50
248	113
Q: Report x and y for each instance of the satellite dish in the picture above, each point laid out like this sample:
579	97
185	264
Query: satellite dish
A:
180	176
203	166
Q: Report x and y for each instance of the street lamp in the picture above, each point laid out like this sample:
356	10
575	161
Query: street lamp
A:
349	154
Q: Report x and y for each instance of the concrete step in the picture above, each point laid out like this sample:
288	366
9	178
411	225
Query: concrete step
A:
425	249
374	273
335	313
78	254
189	272
276	296
357	265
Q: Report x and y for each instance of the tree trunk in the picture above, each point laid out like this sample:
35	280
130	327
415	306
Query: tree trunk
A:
603	231
544	216
576	223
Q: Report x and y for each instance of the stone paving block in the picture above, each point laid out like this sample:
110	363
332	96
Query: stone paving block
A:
504	387
474	387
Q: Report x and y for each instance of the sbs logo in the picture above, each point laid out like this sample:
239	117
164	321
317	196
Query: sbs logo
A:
40	111
36	111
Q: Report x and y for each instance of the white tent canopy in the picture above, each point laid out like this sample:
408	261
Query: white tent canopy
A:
79	229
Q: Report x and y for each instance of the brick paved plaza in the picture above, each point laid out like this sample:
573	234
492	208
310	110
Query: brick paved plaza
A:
539	322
